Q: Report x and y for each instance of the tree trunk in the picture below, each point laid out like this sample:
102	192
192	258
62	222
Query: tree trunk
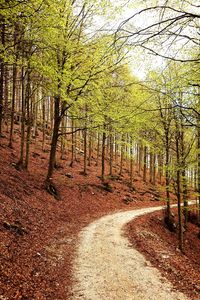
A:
85	152
131	165
75	142
111	154
183	175
103	155
63	131
116	149
29	121
2	26
145	164
55	135
122	156
160	167
198	162
90	149
178	181
167	174
154	169
98	148
23	117
72	144
13	105
6	94
140	157
43	123
151	167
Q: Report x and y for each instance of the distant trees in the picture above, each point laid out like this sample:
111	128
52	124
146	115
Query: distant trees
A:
62	79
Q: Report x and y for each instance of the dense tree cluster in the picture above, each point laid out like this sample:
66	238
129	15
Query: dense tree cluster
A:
64	78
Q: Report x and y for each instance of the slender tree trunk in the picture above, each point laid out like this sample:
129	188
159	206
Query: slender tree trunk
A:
103	155
198	161
55	135
85	152
72	144
183	175
2	26
43	123
185	195
131	165
29	121
75	142
63	131
34	135
51	114
116	149
178	174
167	174
160	167
23	117
140	157
122	156
145	164
6	94
154	169
1	93
151	167
98	148
111	154
90	149
13	105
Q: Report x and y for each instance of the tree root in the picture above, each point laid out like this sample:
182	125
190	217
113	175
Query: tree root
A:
52	190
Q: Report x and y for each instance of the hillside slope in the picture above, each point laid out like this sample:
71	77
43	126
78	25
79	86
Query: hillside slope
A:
38	234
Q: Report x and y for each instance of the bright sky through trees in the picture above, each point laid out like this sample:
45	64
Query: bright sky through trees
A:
138	24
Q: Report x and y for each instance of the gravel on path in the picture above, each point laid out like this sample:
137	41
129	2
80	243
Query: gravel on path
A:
108	268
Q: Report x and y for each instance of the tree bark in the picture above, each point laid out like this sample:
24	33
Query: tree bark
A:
29	120
72	144
43	123
23	117
167	174
98	149
2	26
55	135
140	157
103	155
131	165
13	105
198	160
85	152
154	168
122	156
178	181
151	166
145	164
111	154
90	149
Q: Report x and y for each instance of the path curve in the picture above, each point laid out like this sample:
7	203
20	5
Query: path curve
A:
107	268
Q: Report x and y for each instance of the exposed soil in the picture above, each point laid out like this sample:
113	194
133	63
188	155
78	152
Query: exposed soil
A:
39	234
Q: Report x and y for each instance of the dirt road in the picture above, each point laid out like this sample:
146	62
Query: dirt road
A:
107	268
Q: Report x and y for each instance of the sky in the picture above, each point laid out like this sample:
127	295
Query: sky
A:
142	61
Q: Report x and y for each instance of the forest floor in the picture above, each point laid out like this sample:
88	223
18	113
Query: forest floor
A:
39	234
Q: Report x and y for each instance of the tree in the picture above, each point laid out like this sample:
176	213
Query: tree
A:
171	22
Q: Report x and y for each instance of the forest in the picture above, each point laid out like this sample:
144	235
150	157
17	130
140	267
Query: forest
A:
99	113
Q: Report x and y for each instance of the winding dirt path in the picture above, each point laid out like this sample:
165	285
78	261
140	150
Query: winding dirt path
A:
107	268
